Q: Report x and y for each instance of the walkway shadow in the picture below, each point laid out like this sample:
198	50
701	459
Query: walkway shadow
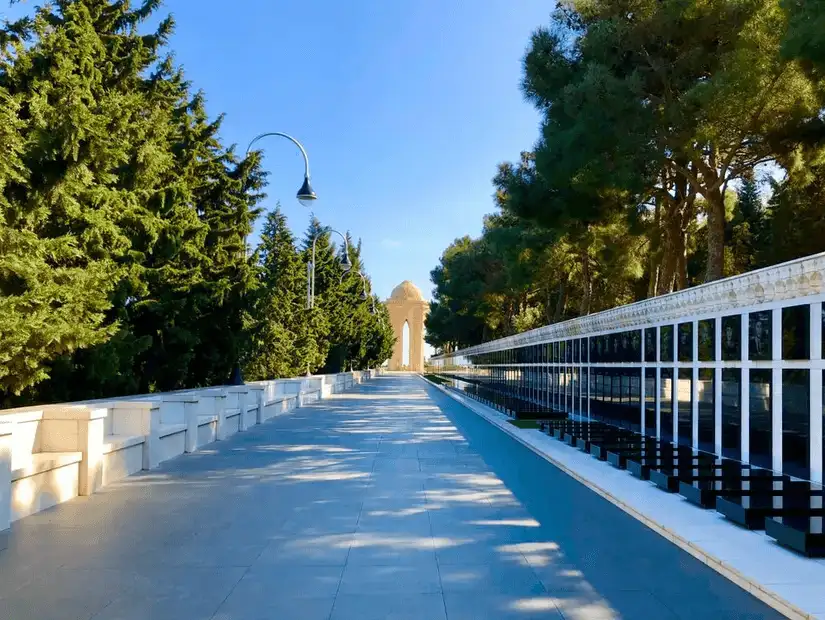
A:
593	560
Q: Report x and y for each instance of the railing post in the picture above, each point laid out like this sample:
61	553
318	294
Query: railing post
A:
816	393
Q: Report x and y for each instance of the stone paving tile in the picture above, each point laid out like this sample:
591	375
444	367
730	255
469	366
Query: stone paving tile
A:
378	606
419	577
390	502
485	606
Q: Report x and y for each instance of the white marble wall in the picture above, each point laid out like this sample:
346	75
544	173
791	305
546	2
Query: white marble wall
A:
50	454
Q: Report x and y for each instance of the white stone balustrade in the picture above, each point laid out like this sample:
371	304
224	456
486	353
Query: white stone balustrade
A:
52	453
6	432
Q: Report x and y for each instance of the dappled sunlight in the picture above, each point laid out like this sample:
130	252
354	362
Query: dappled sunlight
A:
374	483
333	541
306	448
579	607
368	539
461	497
507	522
488	480
531	548
536	604
404	512
327	477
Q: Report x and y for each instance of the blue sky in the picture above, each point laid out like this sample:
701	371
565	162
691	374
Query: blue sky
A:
404	106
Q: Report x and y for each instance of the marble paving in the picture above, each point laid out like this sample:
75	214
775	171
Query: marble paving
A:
390	502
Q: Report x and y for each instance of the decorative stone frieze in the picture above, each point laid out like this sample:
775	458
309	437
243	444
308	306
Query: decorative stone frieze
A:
793	280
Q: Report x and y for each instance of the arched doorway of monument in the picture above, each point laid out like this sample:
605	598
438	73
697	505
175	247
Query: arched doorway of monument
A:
408	309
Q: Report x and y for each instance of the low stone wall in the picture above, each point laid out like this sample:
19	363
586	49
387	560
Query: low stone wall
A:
52	453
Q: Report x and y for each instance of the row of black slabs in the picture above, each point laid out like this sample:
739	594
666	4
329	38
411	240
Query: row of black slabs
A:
790	511
500	396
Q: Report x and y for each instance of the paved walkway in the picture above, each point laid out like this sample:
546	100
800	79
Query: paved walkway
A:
390	502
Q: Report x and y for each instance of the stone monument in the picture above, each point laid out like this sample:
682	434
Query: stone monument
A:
407	305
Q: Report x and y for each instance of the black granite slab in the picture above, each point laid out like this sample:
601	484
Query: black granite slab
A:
703	492
585	442
779	499
803	534
622	446
681	456
670	476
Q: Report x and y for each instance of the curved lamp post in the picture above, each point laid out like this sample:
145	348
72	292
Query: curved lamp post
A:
345	264
364	296
306	195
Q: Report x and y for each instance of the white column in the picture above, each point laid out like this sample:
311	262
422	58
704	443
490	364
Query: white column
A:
816	394
77	429
642	384
190	418
658	389
240	393
776	391
694	396
717	385
745	387
675	384
220	409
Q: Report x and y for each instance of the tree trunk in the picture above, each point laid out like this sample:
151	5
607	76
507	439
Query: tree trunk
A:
688	215
561	302
653	255
715	201
584	308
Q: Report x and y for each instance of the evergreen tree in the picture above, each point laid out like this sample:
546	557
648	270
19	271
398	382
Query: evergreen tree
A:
71	124
279	309
124	166
746	229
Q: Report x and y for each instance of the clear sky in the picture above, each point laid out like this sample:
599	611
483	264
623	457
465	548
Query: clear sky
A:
404	106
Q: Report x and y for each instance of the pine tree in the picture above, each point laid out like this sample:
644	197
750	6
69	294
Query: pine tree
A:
279	305
746	229
70	123
125	164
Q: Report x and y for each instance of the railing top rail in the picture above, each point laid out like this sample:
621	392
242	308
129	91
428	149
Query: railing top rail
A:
794	279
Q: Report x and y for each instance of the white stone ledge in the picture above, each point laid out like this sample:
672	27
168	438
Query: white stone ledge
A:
45	461
52	453
171	429
113	443
784	580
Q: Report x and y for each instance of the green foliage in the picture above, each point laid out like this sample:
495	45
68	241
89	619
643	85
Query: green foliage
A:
653	111
123	265
339	333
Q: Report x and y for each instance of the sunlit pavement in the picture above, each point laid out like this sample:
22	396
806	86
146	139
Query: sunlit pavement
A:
390	502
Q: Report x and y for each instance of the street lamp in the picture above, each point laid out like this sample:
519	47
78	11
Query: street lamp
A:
346	264
306	195
363	295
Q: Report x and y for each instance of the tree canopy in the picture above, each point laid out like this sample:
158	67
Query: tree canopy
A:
123	223
681	141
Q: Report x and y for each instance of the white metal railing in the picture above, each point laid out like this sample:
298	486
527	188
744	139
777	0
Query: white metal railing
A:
746	348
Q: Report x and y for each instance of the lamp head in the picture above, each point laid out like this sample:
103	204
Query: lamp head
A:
363	295
345	263
306	195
